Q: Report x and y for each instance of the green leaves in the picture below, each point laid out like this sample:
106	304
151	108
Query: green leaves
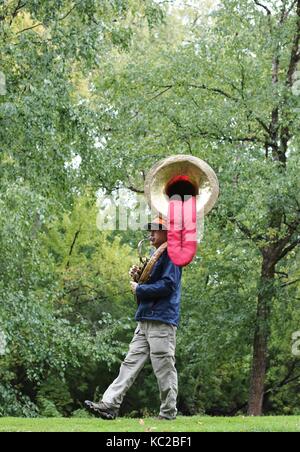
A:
95	93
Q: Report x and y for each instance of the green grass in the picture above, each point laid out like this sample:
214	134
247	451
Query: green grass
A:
181	424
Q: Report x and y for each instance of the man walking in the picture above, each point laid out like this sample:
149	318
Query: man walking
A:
155	335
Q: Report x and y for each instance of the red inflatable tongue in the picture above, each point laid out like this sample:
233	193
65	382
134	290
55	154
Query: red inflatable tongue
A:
182	232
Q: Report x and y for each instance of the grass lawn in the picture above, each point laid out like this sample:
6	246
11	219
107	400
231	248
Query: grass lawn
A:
181	424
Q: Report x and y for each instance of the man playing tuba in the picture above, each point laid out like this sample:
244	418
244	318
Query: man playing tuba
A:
180	188
155	336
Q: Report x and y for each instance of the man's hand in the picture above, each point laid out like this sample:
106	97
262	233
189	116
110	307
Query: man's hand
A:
135	272
133	286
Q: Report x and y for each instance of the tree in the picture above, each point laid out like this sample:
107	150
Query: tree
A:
109	94
47	49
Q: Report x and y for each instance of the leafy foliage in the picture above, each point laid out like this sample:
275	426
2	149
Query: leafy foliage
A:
95	93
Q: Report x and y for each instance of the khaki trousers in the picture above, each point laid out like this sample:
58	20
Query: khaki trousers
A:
156	340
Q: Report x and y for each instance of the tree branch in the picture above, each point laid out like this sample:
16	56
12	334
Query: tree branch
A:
287	12
167	88
213	90
263	6
283	383
289	248
285	245
29	28
220	136
17	9
229	96
245	230
290	283
68	13
41	24
283	274
135	190
72	246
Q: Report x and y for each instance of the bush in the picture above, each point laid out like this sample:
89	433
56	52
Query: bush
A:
56	393
47	408
13	403
81	413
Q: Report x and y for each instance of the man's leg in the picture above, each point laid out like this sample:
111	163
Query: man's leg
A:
162	340
132	365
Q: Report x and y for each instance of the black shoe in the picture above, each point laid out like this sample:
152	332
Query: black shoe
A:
101	409
163	418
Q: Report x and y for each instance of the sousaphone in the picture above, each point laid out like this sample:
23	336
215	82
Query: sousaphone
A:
181	188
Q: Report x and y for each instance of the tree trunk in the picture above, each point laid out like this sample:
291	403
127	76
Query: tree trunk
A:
260	345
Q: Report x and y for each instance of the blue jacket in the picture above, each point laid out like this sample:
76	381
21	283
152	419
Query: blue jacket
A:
159	298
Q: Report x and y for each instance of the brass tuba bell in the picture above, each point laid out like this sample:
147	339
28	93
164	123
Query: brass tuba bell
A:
182	175
188	184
